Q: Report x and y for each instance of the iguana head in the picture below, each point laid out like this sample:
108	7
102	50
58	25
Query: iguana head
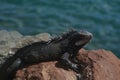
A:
79	38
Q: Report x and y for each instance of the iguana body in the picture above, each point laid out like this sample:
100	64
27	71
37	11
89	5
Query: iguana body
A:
63	48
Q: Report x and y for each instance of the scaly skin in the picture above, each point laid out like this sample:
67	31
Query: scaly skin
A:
63	48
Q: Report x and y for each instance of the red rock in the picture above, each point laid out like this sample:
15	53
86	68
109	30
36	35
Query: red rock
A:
102	65
45	71
93	65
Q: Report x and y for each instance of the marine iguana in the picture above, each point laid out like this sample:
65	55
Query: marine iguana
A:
63	48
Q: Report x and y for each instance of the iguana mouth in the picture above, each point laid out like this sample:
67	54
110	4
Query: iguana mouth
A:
78	43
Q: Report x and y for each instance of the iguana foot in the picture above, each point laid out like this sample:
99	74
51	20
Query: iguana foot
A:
66	62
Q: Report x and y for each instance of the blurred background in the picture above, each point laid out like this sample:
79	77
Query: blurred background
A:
100	17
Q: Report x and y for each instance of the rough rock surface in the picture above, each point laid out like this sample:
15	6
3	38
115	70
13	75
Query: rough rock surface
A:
101	65
93	65
45	71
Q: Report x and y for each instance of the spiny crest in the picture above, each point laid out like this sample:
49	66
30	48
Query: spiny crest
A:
68	33
63	35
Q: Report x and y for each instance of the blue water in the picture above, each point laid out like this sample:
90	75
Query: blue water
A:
100	17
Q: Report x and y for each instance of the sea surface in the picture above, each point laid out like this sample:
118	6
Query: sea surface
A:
100	17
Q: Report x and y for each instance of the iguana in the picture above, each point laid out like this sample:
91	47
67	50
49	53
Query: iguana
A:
63	48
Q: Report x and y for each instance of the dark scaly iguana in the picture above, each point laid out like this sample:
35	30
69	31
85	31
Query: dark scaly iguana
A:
63	48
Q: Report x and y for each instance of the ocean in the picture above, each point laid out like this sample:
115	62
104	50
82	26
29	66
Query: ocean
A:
100	17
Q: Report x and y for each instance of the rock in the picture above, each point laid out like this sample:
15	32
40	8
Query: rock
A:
43	36
99	65
9	36
45	71
4	35
93	65
15	35
8	40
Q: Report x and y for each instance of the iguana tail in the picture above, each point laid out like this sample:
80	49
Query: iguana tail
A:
8	68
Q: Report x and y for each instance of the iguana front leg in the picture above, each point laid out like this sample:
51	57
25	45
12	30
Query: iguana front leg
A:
67	62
